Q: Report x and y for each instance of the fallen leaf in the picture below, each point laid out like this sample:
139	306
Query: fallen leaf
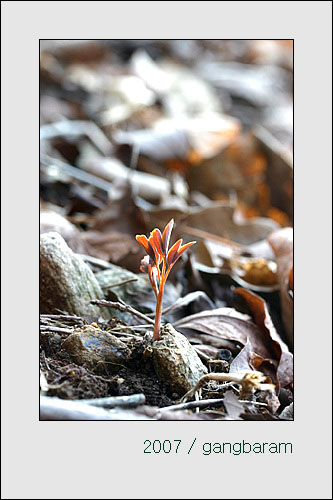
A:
227	323
282	244
219	219
115	247
241	363
272	340
121	214
247	360
233	407
255	271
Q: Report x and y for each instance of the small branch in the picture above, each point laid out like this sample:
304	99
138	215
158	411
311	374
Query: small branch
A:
123	308
76	173
60	409
93	260
199	233
61	316
55	329
201	355
111	402
258	403
194	404
249	382
120	283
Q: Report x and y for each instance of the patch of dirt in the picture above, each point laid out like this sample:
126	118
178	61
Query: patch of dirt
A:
71	381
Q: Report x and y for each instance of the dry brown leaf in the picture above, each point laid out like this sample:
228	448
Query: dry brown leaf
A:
121	214
219	219
262	318
282	244
233	406
241	363
255	271
269	353
115	247
227	323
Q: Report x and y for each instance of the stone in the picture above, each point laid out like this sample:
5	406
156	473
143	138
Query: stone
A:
66	281
176	361
96	348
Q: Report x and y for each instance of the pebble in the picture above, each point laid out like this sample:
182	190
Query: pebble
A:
176	361
96	348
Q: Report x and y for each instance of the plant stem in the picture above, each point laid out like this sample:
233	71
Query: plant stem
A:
158	314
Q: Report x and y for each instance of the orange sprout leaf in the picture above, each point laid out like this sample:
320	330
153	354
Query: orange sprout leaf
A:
157	249
157	240
166	236
145	243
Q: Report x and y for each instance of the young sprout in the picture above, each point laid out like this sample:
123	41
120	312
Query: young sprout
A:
158	263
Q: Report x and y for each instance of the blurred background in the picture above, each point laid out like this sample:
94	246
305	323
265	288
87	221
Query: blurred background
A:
135	132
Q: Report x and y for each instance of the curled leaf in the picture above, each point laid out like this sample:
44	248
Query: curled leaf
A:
166	236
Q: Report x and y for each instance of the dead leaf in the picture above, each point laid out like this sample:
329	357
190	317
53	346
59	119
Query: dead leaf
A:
115	247
282	244
259	272
272	339
218	219
121	214
227	323
241	363
232	405
247	360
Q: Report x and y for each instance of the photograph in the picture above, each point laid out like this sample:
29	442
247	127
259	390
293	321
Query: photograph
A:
166	219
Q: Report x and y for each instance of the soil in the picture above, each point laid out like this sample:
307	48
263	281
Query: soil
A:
67	380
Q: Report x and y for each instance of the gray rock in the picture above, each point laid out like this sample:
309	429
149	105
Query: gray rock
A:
66	281
95	348
176	361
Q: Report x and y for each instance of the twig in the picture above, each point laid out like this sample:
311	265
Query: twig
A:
111	402
94	260
201	355
54	329
193	404
258	403
77	128
45	361
122	307
120	283
77	173
61	316
249	382
59	409
134	156
210	236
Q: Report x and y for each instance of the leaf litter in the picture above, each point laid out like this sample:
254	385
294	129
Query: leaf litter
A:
133	134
